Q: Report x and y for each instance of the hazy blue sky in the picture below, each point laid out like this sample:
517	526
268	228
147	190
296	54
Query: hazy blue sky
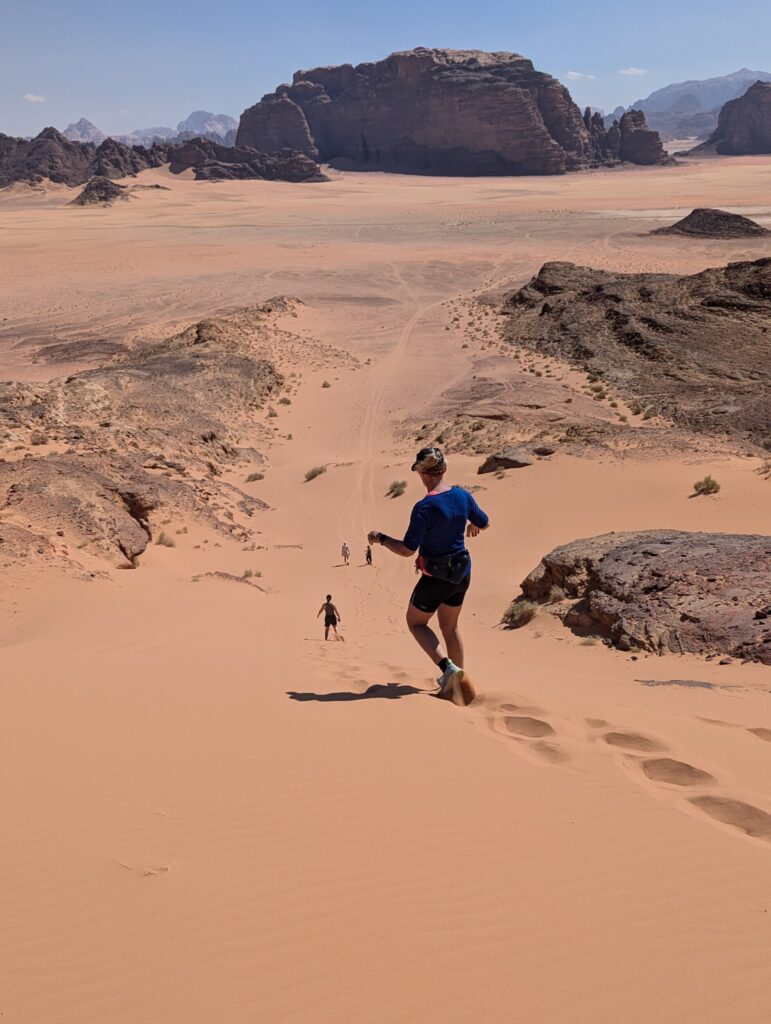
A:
137	64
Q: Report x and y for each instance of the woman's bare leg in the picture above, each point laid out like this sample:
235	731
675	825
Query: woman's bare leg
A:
448	623
417	622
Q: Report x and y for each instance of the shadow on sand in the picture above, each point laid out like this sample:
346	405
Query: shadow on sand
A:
387	691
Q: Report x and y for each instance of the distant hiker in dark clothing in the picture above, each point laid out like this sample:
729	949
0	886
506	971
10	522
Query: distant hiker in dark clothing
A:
345	551
439	524
331	617
368	555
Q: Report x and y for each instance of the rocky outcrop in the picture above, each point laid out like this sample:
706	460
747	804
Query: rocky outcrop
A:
707	223
52	156
694	349
49	155
431	111
637	143
150	434
665	590
744	124
100	192
213	162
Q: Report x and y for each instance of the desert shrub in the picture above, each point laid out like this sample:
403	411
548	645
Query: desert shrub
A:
248	573
254	477
613	405
707	485
272	412
597	387
326	384
648	414
589	641
314	471
519	612
635	408
396	488
556	594
165	540
285	401
37	437
764	469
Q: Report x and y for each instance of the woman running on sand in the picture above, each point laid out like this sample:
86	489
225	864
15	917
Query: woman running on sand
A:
331	617
438	526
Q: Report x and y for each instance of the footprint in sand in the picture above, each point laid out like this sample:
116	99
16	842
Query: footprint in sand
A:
751	820
675	773
525	727
596	723
633	741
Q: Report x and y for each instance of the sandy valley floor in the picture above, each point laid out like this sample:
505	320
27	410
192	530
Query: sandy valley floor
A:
208	814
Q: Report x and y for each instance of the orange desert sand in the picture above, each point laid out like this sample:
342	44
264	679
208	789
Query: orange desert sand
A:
212	817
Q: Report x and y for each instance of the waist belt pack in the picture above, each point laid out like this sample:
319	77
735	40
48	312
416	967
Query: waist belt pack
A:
448	568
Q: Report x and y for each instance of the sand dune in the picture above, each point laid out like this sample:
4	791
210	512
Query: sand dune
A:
212	815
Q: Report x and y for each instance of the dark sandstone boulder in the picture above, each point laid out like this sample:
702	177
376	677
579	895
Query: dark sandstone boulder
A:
510	458
432	111
694	348
707	223
100	192
665	590
744	124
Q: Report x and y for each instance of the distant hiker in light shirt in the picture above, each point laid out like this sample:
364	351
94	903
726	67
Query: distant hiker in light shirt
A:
345	551
438	526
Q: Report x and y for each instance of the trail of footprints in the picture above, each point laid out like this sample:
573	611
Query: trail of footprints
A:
641	754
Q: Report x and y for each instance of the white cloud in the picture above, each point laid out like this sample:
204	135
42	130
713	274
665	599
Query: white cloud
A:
30	97
573	75
633	72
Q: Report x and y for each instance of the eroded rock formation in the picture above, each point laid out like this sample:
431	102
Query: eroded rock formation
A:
100	191
152	430
437	111
694	349
665	590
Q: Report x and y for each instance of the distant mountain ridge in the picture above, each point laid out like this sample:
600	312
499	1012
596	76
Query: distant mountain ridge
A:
690	109
201	123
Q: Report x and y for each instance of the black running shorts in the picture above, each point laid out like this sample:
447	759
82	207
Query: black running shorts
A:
330	620
431	592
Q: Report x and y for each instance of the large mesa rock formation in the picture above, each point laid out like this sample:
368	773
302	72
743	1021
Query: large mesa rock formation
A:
665	590
51	156
439	111
704	222
695	349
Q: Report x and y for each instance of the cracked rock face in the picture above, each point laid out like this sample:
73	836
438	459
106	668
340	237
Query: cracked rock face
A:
441	111
665	590
694	349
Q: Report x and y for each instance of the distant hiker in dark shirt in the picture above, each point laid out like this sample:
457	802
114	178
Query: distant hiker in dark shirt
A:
331	617
438	526
368	555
